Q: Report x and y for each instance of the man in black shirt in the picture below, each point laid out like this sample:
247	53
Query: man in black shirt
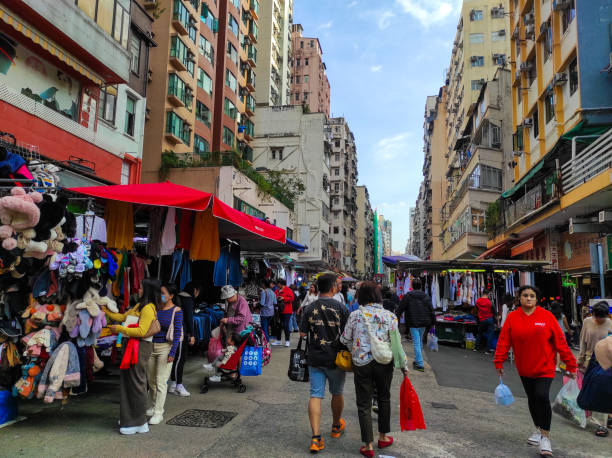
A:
322	323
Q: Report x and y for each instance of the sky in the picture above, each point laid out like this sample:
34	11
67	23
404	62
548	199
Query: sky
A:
383	59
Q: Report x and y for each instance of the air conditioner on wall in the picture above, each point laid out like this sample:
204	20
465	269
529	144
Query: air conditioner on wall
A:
528	122
559	5
560	79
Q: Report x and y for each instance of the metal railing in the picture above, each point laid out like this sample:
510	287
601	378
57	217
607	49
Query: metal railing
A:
590	162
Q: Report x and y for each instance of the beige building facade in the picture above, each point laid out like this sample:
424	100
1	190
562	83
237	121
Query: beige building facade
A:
365	234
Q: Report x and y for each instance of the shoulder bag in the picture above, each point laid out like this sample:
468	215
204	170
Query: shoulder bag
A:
154	328
344	360
381	351
170	333
298	368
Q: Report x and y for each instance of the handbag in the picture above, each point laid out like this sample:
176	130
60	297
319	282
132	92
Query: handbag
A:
298	368
344	361
381	351
251	361
170	333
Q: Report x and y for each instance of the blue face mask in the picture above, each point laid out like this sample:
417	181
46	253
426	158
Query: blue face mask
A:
163	298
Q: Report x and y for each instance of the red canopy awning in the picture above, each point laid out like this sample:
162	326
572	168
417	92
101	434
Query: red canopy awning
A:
523	247
494	251
158	194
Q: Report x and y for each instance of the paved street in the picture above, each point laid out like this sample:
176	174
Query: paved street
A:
271	420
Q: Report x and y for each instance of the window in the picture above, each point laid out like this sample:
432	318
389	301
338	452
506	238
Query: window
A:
305	96
202	113
497	13
205	81
573	76
476	37
277	153
108	101
477	61
228	137
232	24
476	15
135	54
110	16
336	172
549	104
498	35
297	62
297	80
125	173
130	116
535	129
336	202
236	4
210	20
337	143
305	78
121	25
200	146
499	59
230	80
179	51
547	43
476	85
306	61
207	50
568	15
517	139
297	96
336	230
532	73
336	187
302	44
337	157
232	53
193	33
312	43
230	109
180	90
176	126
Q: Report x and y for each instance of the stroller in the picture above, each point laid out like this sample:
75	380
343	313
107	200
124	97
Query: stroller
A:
252	336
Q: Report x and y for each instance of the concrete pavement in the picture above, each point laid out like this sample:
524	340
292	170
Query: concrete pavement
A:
272	420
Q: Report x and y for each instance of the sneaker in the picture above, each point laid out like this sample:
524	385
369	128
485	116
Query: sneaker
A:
338	430
208	366
277	343
287	344
417	367
135	429
156	419
215	378
534	439
172	387
181	391
150	412
317	444
545	447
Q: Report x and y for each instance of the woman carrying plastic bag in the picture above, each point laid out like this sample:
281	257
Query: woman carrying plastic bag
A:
566	404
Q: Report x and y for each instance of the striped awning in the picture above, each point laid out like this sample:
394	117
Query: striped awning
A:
29	32
522	247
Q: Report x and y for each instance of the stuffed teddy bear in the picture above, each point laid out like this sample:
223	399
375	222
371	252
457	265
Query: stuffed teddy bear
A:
18	212
26	385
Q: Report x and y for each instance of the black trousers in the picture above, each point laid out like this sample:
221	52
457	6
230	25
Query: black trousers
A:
366	379
286	326
179	363
538	397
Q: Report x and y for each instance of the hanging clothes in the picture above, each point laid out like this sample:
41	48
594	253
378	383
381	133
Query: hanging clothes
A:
156	217
205	239
119	218
90	227
227	267
185	230
168	239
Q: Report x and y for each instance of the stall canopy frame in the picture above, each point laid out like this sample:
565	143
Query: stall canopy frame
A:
473	264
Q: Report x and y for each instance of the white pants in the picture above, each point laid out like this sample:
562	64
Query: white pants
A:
158	372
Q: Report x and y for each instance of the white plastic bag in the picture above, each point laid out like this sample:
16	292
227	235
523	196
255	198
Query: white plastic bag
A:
432	342
503	395
566	404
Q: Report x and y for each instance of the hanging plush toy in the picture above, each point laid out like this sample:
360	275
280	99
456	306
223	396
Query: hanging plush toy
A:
26	385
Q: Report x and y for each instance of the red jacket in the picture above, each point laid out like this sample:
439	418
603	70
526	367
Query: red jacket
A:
536	340
484	308
286	294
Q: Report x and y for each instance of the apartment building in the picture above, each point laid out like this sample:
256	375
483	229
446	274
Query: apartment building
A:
274	50
202	75
481	45
343	182
365	234
417	224
53	86
386	232
299	145
561	97
310	86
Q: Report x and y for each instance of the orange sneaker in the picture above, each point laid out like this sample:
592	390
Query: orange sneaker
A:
316	445
338	429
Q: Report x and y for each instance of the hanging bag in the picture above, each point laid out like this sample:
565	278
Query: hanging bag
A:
411	414
503	395
298	368
214	348
251	361
432	341
566	404
344	360
381	351
170	333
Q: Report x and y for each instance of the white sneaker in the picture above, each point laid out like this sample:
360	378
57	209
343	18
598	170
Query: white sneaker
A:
534	439
135	429
287	344
150	412
156	419
181	391
545	446
215	378
172	387
277	343
207	366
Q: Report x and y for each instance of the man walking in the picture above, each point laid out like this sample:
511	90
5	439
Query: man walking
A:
418	316
322	323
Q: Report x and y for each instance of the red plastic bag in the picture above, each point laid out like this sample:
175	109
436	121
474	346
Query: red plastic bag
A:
411	415
214	348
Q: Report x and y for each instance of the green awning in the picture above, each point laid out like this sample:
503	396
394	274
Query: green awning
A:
583	129
523	180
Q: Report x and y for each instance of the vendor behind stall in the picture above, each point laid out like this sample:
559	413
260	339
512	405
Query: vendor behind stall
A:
238	312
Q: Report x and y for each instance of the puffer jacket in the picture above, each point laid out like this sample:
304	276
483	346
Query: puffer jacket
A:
418	310
62	371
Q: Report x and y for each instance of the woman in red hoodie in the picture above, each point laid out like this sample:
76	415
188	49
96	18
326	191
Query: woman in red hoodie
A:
536	338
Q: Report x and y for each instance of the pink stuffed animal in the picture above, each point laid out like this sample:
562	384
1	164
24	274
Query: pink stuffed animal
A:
18	212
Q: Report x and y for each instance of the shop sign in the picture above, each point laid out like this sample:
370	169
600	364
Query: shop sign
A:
554	250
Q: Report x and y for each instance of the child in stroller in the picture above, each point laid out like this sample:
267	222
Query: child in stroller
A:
213	370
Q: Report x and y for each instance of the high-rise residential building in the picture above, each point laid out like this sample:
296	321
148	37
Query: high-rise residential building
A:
343	182
365	234
298	144
559	202
274	52
417	226
310	86
202	78
482	44
386	231
73	86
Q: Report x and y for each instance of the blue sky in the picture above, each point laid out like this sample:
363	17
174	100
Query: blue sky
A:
383	59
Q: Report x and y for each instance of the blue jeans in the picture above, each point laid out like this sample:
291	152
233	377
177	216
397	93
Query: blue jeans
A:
318	376
294	324
417	341
265	325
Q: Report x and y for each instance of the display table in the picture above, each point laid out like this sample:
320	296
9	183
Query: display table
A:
454	331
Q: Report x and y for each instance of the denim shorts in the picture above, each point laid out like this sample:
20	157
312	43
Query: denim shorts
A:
318	376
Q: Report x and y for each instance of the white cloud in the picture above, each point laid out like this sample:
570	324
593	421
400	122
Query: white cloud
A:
393	147
429	12
376	68
352	4
384	19
326	25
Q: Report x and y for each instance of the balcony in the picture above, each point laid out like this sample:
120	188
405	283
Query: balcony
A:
254	9
250	80
252	55
253	31
587	164
180	18
483	178
250	105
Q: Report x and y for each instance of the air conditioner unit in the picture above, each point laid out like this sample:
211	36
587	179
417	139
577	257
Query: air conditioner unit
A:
502	33
528	122
559	5
560	79
529	18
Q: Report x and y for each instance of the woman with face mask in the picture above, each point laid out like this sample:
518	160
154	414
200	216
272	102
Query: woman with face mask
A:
536	337
165	344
